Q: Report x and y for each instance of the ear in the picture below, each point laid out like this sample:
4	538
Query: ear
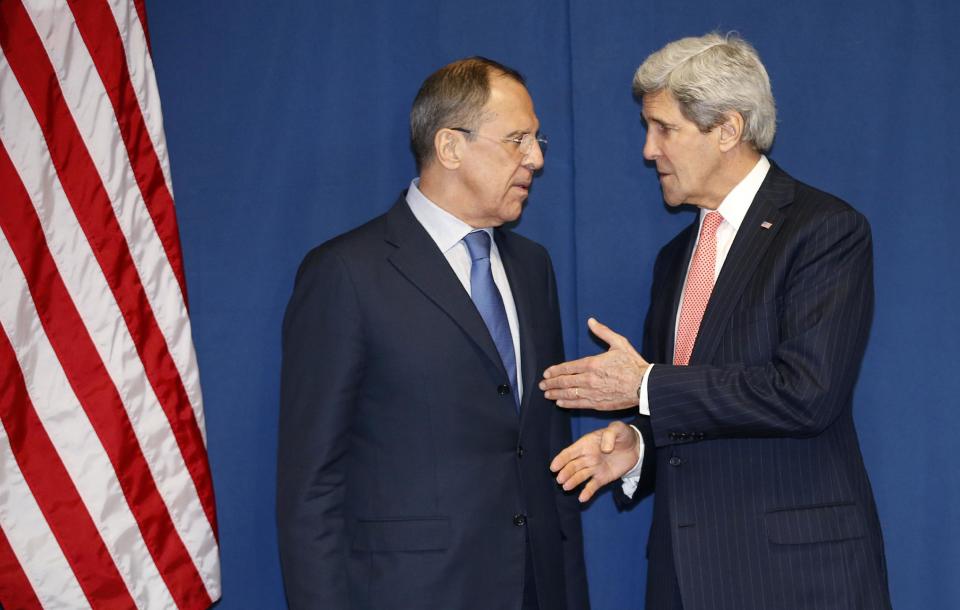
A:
731	131
448	146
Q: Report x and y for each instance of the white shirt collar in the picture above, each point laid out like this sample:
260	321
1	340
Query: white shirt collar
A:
735	205
446	229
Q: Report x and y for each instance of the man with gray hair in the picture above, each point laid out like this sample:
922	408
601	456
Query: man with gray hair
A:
758	323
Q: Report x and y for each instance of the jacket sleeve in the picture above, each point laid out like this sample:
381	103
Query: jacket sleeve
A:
320	376
798	355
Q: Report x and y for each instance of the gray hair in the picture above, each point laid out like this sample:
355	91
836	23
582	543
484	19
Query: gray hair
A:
453	96
709	76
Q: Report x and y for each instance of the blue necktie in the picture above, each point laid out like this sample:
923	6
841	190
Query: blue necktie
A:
490	304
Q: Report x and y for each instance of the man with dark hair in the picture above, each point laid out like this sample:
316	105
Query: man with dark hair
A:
758	322
414	445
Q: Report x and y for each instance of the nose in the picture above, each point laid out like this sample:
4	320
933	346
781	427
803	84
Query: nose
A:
650	148
533	160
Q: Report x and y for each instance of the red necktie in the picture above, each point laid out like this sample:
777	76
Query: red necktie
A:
696	292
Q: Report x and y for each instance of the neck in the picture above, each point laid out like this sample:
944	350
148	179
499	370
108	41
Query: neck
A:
445	193
739	162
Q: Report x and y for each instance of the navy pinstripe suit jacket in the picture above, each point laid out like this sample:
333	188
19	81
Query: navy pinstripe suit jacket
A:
762	497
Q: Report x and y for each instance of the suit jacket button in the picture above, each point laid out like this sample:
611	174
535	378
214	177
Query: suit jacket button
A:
503	389
672	436
519	520
675	461
520	451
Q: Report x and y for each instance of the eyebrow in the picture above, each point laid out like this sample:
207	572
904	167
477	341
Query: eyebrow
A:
518	132
659	122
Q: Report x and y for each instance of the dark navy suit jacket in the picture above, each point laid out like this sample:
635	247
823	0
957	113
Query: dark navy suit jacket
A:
406	479
762	499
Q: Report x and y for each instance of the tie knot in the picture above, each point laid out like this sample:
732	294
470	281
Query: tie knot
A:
711	222
478	243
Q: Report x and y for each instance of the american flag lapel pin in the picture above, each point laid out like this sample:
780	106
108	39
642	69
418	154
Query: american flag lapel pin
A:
766	224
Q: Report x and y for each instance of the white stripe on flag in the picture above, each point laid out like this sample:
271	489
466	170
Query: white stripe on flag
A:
75	440
76	432
143	79
30	538
94	116
85	282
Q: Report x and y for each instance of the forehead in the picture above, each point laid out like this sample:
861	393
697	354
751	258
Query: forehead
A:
662	107
510	103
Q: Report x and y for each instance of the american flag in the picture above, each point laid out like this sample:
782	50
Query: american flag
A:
106	499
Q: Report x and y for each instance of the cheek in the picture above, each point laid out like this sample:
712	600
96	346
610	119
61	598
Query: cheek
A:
666	158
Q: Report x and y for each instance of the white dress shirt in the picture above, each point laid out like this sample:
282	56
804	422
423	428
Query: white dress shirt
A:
733	208
448	232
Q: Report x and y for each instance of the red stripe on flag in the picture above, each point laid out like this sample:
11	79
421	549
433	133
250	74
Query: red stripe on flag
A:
15	590
96	392
99	31
55	492
81	183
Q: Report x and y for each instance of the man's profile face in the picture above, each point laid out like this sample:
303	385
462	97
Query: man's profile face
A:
496	174
686	159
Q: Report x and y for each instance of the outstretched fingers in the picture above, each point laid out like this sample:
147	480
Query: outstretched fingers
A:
606	334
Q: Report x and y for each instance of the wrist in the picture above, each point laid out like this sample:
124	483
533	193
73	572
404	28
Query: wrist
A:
643	375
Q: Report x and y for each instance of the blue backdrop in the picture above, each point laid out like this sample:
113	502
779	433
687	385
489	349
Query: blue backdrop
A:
287	124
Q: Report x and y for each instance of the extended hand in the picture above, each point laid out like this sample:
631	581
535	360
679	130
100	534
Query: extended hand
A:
605	382
598	457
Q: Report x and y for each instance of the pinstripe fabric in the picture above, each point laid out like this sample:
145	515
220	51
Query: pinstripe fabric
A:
762	495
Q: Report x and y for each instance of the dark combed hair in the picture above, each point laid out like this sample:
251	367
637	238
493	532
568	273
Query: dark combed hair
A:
453	96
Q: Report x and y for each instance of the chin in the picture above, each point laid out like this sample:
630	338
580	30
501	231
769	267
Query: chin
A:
671	200
512	211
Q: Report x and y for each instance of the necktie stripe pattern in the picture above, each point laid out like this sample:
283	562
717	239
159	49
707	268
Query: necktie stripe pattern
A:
698	288
489	303
102	434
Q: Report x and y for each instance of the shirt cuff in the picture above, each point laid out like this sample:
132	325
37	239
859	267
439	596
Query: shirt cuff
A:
629	481
642	392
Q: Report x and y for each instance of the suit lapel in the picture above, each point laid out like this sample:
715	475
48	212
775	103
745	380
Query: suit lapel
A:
757	231
675	290
419	260
519	282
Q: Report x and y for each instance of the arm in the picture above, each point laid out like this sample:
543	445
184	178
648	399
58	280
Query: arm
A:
819	330
321	370
639	482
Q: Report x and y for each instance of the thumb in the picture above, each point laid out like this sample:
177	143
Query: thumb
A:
608	440
604	333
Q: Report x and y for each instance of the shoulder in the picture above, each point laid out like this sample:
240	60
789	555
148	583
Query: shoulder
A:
522	250
811	205
353	246
817	213
515	242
